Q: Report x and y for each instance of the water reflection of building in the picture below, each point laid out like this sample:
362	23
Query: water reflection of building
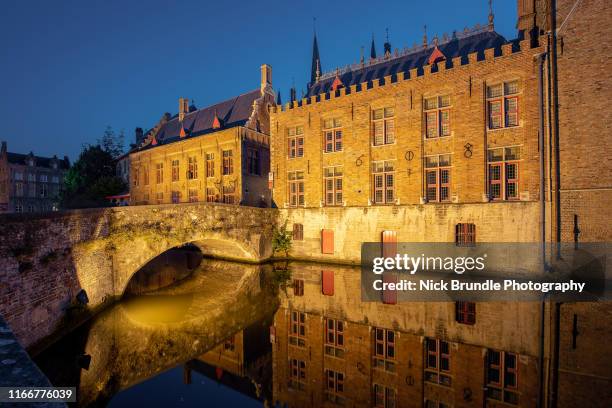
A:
241	362
335	349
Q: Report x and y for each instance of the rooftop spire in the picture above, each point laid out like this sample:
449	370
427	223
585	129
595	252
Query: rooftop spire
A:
491	16
316	60
425	36
387	44
373	48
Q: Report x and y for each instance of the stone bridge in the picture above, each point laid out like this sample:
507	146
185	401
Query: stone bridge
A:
46	260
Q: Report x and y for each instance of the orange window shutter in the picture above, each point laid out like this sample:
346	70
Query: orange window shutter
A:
327	283
389	297
327	241
389	240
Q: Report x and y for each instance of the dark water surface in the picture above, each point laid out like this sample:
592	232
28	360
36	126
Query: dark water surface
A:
299	335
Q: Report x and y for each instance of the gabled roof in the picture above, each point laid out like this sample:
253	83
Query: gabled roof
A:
379	68
18	158
232	112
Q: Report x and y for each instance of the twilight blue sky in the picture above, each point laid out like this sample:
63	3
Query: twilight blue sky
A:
70	68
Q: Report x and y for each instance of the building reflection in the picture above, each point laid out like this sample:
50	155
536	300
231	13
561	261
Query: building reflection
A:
331	348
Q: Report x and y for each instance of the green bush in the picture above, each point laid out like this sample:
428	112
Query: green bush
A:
281	240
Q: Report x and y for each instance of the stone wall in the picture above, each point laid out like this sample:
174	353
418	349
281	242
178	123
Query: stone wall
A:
45	261
495	222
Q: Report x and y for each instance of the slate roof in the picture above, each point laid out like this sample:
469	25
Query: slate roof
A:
456	47
18	158
232	112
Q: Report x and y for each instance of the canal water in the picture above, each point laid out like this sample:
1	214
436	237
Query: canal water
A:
296	334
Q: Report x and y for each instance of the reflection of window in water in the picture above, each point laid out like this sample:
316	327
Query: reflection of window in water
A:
384	349
297	329
297	374
465	312
437	362
502	379
334	387
334	338
298	287
230	344
384	397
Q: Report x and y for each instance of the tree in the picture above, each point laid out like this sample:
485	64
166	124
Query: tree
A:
112	143
92	177
281	240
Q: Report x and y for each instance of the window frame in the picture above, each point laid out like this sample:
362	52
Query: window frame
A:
438	170
388	126
332	136
502	100
384	360
298	184
436	371
503	180
335	191
465	234
159	173
210	165
437	112
227	166
336	329
297	329
334	386
176	175
465	312
384	188
295	135
501	387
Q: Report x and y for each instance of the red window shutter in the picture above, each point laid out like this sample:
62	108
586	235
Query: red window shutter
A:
389	297
389	241
327	283
327	241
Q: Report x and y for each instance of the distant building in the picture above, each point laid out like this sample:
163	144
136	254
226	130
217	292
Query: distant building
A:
220	153
30	183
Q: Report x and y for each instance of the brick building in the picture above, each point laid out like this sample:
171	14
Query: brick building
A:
468	136
219	153
30	183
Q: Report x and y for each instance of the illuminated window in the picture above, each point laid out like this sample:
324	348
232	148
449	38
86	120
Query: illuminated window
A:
437	177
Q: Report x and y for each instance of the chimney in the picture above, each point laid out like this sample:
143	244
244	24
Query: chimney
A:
138	135
183	108
266	77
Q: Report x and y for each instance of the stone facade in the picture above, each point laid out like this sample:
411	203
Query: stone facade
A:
215	154
30	183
